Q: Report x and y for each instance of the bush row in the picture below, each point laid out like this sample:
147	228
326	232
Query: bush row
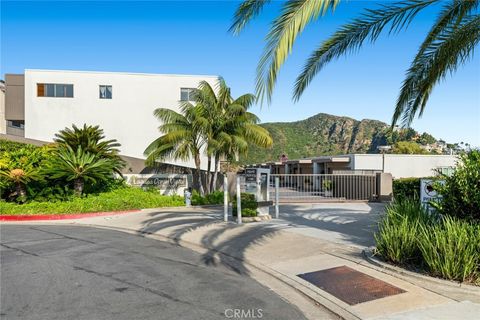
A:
122	198
215	197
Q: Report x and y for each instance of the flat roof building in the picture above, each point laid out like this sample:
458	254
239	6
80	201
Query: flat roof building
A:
399	165
39	103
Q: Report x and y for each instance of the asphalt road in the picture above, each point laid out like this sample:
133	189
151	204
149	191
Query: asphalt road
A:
73	272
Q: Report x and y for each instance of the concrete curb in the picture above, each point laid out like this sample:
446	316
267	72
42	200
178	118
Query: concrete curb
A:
63	216
427	282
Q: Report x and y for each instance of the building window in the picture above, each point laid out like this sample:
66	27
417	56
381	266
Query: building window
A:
56	90
105	92
18	124
186	94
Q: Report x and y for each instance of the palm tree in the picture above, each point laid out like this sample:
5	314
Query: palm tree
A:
182	137
20	167
229	128
20	177
449	44
79	166
91	139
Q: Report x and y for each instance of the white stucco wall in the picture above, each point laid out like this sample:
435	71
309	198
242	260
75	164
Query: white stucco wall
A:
127	117
404	165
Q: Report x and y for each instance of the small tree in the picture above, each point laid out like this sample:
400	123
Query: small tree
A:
78	166
91	139
20	167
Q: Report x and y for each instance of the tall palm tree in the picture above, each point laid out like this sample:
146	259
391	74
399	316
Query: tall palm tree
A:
230	128
449	44
182	137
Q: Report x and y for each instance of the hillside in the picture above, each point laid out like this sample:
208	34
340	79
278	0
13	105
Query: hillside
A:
325	134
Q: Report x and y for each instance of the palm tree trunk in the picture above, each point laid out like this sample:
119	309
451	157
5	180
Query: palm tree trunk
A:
209	167
199	175
215	173
78	185
20	189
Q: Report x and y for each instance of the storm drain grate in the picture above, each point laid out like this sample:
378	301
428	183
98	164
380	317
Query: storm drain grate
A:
349	285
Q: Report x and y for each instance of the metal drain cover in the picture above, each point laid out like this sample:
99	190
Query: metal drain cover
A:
349	285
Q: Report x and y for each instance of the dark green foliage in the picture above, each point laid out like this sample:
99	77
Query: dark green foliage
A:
461	191
397	234
450	249
443	246
213	198
91	139
325	134
406	188
7	146
248	203
408	147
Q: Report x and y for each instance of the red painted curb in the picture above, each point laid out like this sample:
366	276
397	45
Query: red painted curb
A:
61	216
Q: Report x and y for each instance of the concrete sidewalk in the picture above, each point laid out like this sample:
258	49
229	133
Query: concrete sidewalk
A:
303	241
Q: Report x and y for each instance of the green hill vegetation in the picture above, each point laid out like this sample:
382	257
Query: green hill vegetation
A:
325	134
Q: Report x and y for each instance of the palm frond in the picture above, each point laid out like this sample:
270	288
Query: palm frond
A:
350	37
453	47
247	10
296	14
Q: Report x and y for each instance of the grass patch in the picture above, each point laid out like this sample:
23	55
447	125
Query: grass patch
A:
126	198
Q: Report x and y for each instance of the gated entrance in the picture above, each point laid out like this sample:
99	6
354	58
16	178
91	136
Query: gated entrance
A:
324	187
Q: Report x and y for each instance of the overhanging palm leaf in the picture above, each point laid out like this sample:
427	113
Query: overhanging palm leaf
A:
449	43
451	48
351	36
296	14
245	13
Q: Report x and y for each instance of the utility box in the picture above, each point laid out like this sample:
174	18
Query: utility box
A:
257	182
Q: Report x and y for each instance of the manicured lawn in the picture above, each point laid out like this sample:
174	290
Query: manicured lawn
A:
116	200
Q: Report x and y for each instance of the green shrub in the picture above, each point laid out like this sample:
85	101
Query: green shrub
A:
124	198
450	249
461	191
248	203
406	188
215	197
396	239
446	247
8	146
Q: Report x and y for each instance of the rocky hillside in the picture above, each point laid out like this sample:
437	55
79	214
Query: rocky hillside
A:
319	135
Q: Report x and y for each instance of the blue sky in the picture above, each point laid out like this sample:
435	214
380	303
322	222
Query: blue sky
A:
191	37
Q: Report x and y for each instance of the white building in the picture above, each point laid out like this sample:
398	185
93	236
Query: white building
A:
42	102
399	165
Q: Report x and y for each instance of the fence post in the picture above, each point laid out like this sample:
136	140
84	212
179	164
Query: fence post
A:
225	198
277	196
239	202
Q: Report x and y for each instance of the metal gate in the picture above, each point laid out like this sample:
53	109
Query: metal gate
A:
323	187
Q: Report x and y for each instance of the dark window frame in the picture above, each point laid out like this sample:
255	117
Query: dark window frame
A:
106	91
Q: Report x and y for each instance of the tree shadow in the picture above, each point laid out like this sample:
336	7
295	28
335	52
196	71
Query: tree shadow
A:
227	243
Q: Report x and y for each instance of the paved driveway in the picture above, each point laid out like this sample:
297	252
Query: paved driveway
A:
352	224
75	272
